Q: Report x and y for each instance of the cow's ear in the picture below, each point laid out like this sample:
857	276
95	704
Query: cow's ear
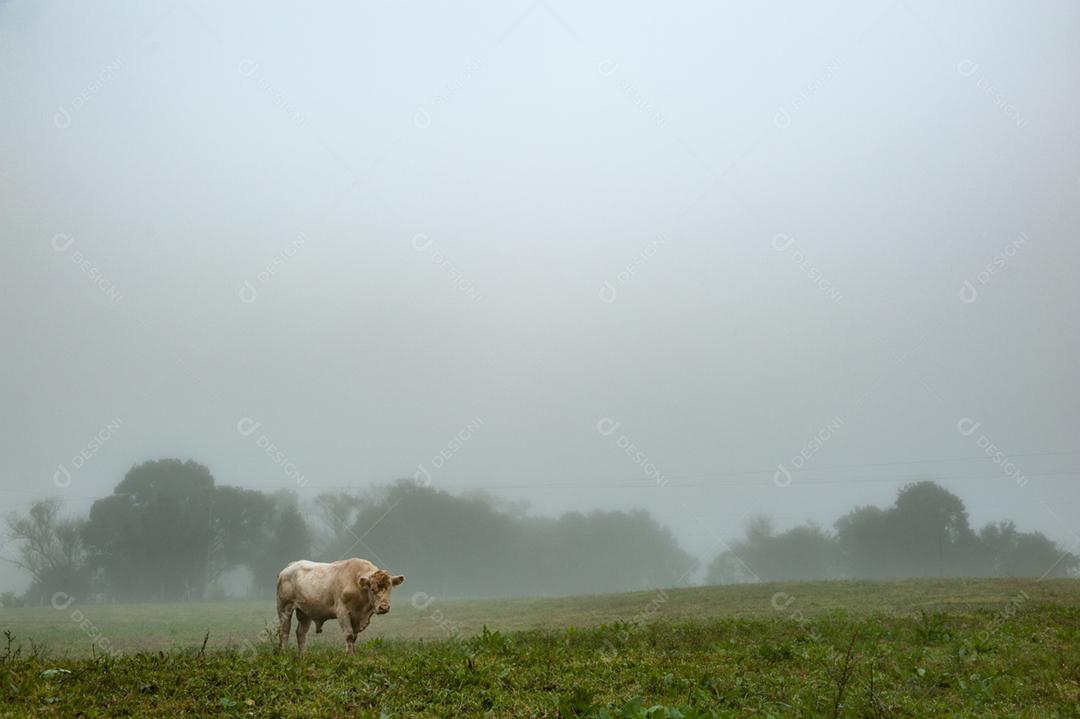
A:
398	579
363	582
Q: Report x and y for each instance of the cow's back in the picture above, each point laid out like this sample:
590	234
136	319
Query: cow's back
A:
316	587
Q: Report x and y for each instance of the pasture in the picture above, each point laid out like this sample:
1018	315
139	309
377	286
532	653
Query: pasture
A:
977	648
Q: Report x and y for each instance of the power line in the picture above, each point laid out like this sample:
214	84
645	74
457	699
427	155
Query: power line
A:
864	465
647	482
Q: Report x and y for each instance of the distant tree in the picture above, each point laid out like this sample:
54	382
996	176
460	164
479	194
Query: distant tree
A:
865	538
997	543
608	551
931	532
284	537
1037	556
471	545
447	545
50	548
1007	552
152	537
806	552
736	564
10	600
238	520
924	534
333	516
167	532
801	553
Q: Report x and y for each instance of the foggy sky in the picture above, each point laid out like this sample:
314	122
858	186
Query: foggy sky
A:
723	227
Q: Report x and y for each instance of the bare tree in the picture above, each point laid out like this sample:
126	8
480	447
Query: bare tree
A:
48	546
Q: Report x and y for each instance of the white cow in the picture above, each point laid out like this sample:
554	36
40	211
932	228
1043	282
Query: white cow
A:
350	590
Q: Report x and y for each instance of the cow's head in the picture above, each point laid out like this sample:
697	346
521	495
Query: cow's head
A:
378	586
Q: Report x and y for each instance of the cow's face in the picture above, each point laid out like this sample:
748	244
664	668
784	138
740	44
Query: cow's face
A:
378	586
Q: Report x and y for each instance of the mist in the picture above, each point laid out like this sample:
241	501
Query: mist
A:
617	283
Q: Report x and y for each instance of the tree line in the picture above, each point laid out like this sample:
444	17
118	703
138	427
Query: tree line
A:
925	533
169	532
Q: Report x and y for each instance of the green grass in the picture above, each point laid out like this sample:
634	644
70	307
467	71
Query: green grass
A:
979	648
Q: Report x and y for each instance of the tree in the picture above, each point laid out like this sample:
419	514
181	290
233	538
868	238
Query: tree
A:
472	545
237	521
610	551
805	552
152	537
9	600
450	545
1037	556
50	548
167	532
931	532
801	553
335	514
1007	552
864	538
924	534
284	537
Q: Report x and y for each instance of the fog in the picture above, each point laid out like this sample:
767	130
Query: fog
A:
713	262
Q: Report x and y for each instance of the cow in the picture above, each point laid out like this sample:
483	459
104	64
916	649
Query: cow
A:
350	590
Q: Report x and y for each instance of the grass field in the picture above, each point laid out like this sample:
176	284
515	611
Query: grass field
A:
978	648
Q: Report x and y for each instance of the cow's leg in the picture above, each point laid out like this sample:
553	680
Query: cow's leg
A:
350	636
303	623
284	624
